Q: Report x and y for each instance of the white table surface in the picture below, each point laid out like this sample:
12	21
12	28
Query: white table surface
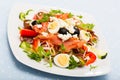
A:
106	13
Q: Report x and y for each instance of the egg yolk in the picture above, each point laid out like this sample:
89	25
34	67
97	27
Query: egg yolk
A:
63	60
53	25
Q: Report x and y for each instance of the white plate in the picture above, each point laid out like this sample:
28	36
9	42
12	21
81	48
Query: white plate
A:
13	37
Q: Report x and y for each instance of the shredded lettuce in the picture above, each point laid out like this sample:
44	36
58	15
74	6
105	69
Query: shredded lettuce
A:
70	15
45	18
62	47
87	26
37	55
54	12
80	16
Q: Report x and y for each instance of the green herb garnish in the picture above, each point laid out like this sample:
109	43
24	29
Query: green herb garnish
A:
82	62
45	18
36	55
70	15
73	64
28	11
88	34
87	26
94	40
19	28
92	67
54	12
80	16
23	15
62	47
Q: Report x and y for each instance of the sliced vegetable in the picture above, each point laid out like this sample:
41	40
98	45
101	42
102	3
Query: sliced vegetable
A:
28	11
23	15
25	45
54	12
45	18
45	54
26	48
28	33
70	15
80	16
62	47
102	55
36	43
92	58
87	26
82	62
35	57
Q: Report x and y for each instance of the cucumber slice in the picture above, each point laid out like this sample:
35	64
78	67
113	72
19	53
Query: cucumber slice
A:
101	54
24	45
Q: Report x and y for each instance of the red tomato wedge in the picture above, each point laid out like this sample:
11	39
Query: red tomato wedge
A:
36	43
27	33
92	57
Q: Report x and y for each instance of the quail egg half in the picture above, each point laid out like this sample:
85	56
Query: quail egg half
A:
62	60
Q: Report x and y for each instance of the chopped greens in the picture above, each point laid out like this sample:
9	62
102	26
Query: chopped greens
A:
72	64
82	62
80	16
62	47
19	28
87	26
36	55
50	61
94	40
23	15
30	10
87	34
24	45
70	15
42	52
54	12
45	18
92	67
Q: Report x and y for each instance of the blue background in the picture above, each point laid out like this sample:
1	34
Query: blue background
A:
107	14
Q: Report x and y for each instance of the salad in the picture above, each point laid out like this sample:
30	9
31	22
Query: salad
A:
60	38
